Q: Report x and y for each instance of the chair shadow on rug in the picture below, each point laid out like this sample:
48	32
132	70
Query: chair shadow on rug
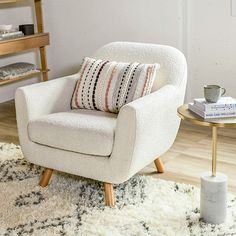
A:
99	145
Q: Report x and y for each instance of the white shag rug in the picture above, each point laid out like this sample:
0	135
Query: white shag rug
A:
75	206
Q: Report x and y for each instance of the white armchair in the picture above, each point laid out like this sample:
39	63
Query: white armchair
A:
98	145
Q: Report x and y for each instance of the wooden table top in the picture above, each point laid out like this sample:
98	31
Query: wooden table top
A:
185	114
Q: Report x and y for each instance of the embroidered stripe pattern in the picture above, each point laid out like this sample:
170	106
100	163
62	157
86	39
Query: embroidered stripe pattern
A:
130	84
108	85
95	84
74	102
121	86
90	104
84	82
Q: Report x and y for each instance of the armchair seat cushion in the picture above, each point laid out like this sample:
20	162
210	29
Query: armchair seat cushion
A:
83	131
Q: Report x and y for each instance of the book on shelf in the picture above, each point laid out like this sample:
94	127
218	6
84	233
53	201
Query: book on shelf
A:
211	114
11	35
224	104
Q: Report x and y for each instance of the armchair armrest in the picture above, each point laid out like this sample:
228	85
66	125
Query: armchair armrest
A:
146	128
40	99
47	97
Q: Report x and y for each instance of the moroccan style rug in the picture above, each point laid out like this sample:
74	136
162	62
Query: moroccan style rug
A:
74	206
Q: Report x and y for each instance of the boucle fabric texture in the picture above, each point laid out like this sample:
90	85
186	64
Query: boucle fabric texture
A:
145	128
73	206
81	130
109	85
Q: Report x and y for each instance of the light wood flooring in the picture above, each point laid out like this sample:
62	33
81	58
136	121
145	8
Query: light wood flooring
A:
184	162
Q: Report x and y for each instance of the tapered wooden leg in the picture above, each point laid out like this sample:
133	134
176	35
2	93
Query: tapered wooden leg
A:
159	165
109	195
45	177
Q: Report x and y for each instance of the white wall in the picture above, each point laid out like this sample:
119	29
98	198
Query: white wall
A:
79	27
211	48
203	29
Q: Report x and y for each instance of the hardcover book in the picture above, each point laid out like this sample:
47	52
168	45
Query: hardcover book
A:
223	105
211	114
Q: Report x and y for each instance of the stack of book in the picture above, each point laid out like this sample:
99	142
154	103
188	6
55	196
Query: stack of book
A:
11	35
225	107
7	32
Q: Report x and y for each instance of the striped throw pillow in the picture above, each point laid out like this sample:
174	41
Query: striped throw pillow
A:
109	85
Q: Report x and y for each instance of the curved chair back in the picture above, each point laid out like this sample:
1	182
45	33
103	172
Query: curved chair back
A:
173	64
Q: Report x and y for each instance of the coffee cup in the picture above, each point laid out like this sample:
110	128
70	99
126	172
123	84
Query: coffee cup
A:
213	93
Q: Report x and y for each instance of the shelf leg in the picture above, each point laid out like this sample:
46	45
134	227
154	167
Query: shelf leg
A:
214	150
39	15
44	63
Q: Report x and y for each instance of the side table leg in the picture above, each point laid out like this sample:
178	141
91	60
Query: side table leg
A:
213	201
214	150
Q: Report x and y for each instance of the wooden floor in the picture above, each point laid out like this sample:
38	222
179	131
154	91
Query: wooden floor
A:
184	162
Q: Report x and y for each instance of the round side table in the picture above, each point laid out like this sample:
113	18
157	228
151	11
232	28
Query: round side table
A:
213	184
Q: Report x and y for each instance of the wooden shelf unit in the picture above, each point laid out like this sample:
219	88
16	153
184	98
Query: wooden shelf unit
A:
37	41
23	43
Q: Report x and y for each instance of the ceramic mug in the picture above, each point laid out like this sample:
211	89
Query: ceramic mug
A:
213	93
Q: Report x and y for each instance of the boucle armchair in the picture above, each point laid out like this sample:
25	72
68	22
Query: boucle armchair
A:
98	145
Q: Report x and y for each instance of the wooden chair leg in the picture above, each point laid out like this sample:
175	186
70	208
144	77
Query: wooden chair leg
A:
109	195
159	165
45	177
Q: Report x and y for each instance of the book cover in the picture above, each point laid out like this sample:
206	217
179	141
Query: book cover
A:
213	114
223	105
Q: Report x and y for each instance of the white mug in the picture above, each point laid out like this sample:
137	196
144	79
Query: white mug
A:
213	93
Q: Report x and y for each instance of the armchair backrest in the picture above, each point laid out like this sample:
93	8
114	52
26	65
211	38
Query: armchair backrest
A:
173	64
